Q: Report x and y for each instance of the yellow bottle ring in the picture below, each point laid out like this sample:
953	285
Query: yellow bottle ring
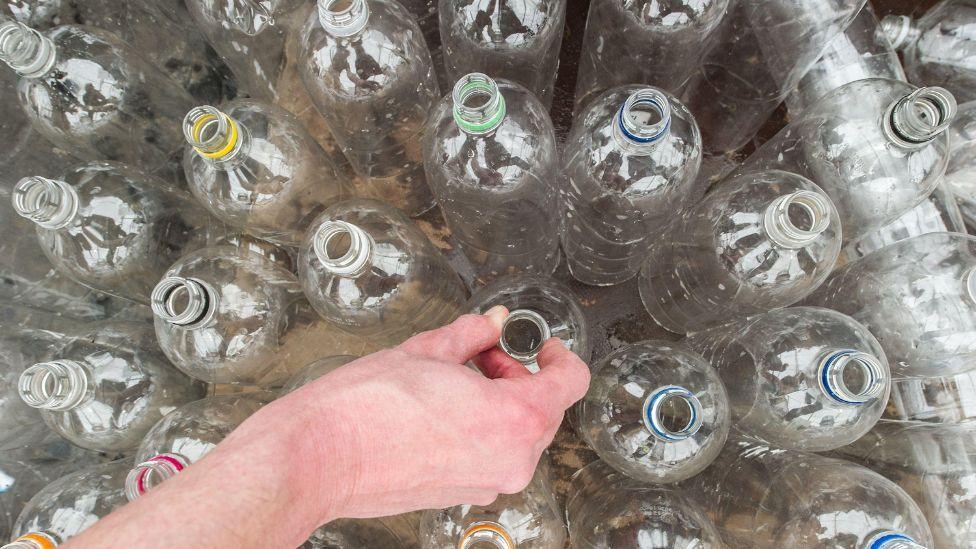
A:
231	139
43	541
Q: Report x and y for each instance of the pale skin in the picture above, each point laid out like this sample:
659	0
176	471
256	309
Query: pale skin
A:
399	430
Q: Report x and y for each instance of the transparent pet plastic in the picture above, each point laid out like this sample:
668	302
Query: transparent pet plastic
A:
760	53
375	102
356	534
538	308
23	476
935	464
316	370
607	509
938	48
757	242
877	147
516	41
490	155
529	519
801	378
630	162
662	43
948	399
187	434
918	297
369	270
759	496
112	227
133	117
256	168
426	13
105	389
654	411
227	316
960	176
40	14
855	54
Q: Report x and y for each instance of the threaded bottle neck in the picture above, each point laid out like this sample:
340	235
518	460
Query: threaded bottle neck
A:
187	302
672	413
33	540
148	474
899	31
343	248
483	534
343	17
57	386
795	220
216	137
642	121
892	540
524	332
50	203
970	282
920	116
479	107
25	50
851	377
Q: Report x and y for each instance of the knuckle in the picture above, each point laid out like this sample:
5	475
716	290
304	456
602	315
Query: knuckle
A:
485	499
517	481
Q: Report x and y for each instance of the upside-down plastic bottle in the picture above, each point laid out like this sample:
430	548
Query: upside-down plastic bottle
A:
375	102
758	241
877	147
662	43
515	41
187	434
960	176
490	155
630	162
918	297
943	399
426	13
357	534
654	411
112	227
255	167
23	473
802	378
369	270
605	508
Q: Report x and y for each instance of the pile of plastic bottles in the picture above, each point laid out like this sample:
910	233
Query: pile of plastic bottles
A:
206	204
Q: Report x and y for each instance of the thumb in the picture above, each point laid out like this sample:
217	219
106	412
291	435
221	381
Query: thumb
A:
563	377
460	340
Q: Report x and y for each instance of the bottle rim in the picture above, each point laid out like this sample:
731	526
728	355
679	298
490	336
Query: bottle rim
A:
148	474
894	30
343	18
656	423
350	258
199	307
890	539
831	375
50	203
518	321
644	132
213	134
33	540
780	226
57	386
482	118
920	116
28	52
486	531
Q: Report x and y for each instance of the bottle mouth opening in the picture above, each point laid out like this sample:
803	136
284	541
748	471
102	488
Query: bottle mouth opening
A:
50	203
852	377
797	219
25	50
920	116
479	107
893	30
486	535
187	302
645	117
211	133
524	333
33	540
56	386
148	474
672	413
342	248
892	540
343	17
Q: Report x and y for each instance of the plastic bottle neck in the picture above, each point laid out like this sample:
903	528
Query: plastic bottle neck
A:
186	302
851	377
343	249
25	50
485	534
57	386
920	116
892	540
216	137
970	282
643	121
479	107
33	540
148	474
50	203
672	413
343	17
524	332
899	31
795	220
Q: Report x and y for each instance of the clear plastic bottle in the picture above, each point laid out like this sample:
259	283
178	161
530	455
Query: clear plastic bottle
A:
759	496
426	13
757	242
490	156
918	297
801	378
855	54
515	41
21	477
356	534
69	505
228	316
256	168
369	74
935	464
369	270
947	399
529	519
607	509
877	147
316	370
104	390
20	347
939	48
629	163
134	116
662	43
960	176
112	227
187	434
760	53
40	14
539	308
654	411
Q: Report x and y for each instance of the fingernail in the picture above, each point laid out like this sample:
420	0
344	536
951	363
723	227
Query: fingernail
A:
497	316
